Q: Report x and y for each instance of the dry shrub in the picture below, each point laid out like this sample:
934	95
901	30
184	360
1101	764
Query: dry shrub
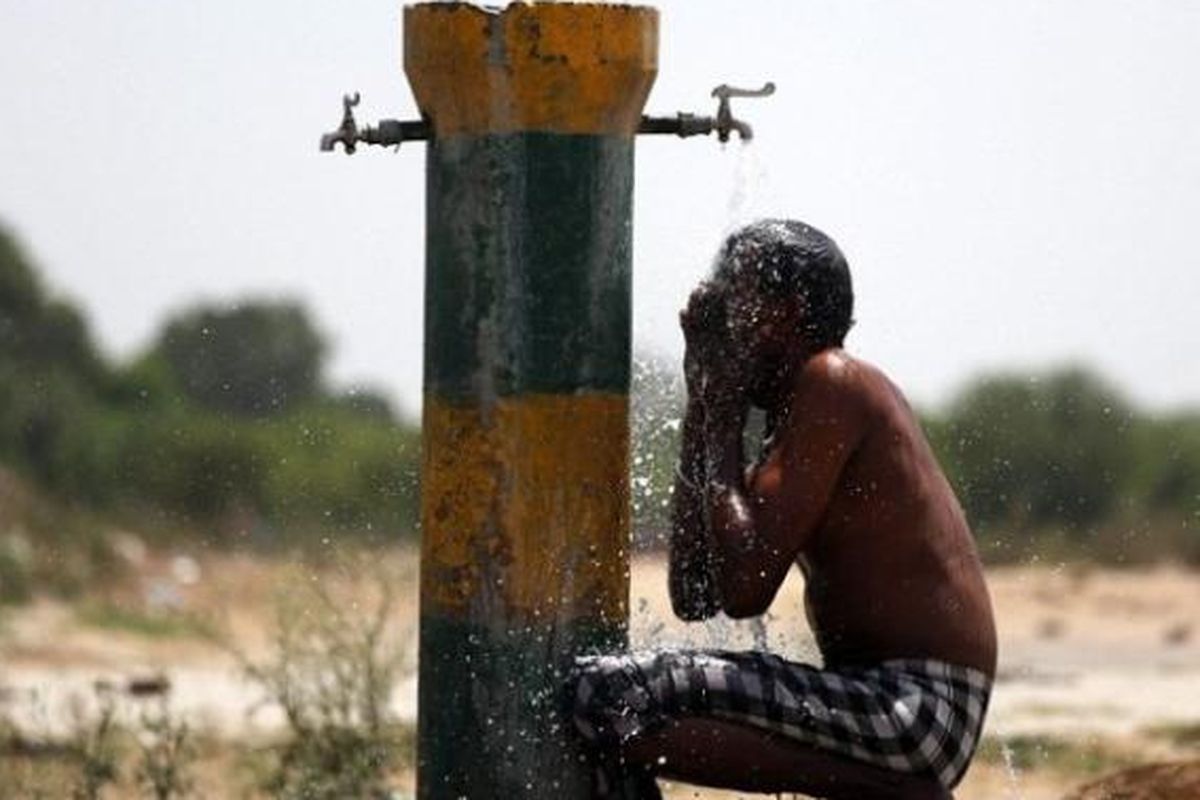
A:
331	672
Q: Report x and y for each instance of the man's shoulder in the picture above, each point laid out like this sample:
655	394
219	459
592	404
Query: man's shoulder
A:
836	370
831	362
848	381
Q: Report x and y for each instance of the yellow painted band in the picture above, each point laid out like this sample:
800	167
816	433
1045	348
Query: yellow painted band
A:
525	508
573	68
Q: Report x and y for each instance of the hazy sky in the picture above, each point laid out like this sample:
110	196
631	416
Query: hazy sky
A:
1015	182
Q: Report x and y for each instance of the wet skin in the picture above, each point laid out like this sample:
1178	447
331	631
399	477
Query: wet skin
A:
852	491
847	489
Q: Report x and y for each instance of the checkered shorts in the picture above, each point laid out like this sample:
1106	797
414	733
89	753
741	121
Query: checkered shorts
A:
909	715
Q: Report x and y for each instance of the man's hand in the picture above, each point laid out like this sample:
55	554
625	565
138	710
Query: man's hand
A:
712	431
714	373
702	321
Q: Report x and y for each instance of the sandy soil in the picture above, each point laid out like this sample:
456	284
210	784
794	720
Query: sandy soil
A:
1090	657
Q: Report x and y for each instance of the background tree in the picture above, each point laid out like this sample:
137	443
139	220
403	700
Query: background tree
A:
255	358
38	331
50	375
1165	469
1047	450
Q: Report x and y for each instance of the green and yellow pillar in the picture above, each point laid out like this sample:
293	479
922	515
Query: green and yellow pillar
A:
533	112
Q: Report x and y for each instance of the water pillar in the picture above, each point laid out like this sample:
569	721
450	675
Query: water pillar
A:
533	112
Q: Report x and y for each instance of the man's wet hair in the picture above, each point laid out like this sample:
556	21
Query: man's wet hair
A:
788	259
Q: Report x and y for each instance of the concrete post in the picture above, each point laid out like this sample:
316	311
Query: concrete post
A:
533	112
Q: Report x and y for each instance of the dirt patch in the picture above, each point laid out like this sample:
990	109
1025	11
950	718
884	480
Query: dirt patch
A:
1099	669
1150	782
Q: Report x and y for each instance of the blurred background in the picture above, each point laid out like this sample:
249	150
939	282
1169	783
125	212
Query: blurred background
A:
210	361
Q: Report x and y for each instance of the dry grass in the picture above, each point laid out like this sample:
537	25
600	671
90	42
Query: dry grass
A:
1096	663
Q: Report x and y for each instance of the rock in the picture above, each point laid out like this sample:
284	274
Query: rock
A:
129	547
148	686
1178	634
185	570
1173	781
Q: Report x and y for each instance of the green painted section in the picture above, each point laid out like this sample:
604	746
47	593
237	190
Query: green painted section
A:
493	710
528	265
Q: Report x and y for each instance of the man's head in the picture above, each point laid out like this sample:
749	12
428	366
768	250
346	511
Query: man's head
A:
787	288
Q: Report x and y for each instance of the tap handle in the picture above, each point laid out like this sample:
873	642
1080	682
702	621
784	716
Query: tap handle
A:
726	124
725	91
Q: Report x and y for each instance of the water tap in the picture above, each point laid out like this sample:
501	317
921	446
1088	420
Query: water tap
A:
387	132
347	132
724	123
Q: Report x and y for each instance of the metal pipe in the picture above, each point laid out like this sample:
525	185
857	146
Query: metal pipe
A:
681	125
392	132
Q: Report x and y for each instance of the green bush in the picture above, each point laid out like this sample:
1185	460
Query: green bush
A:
342	470
1166	465
16	578
1047	450
320	469
193	463
254	358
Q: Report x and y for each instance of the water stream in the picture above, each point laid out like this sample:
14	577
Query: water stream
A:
748	191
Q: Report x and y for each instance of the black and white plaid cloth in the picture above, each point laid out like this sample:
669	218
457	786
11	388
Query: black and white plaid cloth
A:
909	715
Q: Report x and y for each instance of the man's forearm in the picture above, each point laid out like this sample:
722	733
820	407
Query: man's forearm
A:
692	589
691	444
731	523
690	575
724	459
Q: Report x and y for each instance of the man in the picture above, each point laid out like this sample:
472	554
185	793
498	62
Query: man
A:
846	487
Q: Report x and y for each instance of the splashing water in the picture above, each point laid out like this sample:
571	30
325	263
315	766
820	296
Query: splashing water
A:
758	629
749	177
749	194
1013	789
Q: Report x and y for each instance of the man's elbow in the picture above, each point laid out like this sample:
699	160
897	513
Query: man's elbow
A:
692	603
692	611
739	610
738	603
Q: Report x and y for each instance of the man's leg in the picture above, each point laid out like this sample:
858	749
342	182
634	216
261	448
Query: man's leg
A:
753	721
727	755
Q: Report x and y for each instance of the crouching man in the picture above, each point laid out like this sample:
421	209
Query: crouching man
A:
847	489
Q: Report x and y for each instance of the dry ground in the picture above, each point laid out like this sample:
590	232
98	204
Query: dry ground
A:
1099	668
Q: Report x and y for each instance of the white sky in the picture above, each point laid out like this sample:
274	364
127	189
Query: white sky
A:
1015	182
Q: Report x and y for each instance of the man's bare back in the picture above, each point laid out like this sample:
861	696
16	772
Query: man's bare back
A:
891	569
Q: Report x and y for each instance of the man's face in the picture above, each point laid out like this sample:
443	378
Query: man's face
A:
760	329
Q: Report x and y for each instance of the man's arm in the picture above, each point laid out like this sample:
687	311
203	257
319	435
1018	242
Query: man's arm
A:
691	563
760	529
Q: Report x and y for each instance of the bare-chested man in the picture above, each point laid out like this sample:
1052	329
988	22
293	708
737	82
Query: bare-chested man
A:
846	488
